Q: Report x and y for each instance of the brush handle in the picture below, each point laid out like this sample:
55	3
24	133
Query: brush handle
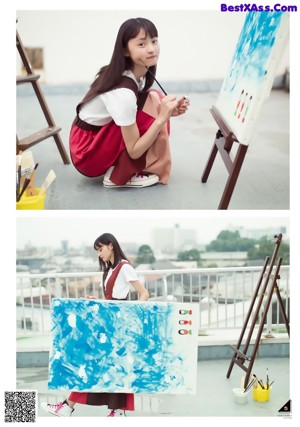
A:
26	183
48	181
156	81
31	190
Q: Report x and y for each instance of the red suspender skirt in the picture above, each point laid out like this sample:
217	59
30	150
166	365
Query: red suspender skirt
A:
124	401
94	149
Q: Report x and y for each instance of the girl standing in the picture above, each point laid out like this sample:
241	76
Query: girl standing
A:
118	277
122	127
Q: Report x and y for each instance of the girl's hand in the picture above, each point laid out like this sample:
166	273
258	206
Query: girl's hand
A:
90	297
182	106
167	108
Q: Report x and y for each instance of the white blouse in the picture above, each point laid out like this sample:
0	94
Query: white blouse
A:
122	285
119	105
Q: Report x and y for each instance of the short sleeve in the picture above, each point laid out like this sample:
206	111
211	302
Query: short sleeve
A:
128	273
121	104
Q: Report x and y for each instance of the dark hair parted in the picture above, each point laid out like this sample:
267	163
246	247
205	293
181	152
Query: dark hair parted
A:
104	240
110	75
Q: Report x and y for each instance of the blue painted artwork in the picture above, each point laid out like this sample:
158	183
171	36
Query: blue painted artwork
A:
252	70
123	346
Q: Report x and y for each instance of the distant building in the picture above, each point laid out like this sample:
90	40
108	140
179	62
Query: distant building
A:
32	262
65	259
130	248
224	259
174	239
64	246
258	233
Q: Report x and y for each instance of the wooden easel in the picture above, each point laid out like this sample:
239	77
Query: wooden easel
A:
223	143
240	357
52	129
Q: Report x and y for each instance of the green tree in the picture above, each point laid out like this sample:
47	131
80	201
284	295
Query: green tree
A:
145	255
212	265
230	241
265	247
190	255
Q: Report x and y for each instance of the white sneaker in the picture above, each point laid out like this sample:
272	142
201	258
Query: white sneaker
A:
138	180
117	413
61	409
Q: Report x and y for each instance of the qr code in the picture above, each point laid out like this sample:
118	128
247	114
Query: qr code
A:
20	406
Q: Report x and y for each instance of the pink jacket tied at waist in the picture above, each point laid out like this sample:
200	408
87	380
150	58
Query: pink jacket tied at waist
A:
94	152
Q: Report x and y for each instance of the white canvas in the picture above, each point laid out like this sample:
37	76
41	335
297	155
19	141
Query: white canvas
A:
123	346
252	71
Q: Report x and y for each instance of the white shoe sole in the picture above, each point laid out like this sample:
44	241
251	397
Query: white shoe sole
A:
47	409
146	183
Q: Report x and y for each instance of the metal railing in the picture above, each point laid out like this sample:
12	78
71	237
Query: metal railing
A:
223	294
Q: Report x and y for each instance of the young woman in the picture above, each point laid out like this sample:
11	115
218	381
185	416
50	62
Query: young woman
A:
118	277
122	125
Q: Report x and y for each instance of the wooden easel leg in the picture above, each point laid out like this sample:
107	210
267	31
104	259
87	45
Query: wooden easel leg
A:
211	158
233	176
52	129
48	116
286	320
262	322
251	307
262	295
241	356
17	145
61	149
264	316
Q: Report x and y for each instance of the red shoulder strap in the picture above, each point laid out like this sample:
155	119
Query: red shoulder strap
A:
108	290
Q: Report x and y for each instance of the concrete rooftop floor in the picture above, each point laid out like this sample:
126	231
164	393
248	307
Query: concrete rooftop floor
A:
263	182
214	397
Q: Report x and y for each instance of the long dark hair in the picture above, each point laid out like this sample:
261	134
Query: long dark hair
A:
110	75
104	240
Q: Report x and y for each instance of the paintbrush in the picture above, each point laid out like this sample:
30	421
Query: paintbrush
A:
249	385
27	165
267	380
148	69
23	190
259	382
19	174
48	181
270	384
17	186
31	190
27	183
185	98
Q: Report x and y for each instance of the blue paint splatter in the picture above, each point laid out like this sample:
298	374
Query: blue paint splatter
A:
114	346
253	49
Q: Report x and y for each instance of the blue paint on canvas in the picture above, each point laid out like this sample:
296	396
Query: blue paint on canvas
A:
252	71
254	47
120	347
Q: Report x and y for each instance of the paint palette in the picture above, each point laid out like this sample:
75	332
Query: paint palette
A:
124	346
